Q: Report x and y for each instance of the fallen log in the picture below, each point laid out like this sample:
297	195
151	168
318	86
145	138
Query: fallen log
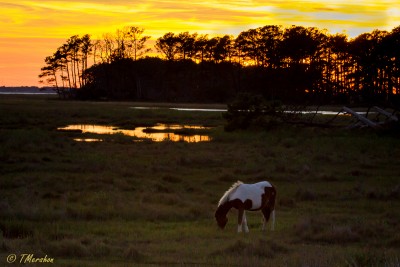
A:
361	118
387	114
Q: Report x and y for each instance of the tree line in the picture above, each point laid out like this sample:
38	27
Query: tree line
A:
292	64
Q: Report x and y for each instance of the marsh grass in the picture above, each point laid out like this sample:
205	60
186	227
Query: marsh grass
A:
119	202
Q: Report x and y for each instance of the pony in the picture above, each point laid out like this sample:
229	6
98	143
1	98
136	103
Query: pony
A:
251	197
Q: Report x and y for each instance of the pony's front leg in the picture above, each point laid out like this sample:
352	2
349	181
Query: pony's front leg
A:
244	223
240	219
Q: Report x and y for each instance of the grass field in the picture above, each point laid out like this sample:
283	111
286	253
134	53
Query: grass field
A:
125	203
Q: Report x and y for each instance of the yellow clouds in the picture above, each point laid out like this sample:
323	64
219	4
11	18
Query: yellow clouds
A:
64	18
353	16
393	14
60	18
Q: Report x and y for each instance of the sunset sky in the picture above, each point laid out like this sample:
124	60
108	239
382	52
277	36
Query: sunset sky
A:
32	30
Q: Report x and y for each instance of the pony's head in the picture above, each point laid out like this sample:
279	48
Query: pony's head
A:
220	214
224	206
221	219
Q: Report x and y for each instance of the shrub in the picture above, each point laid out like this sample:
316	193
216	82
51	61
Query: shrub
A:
249	110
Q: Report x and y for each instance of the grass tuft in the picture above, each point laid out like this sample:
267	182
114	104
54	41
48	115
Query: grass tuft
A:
371	258
16	229
261	248
133	254
69	248
326	231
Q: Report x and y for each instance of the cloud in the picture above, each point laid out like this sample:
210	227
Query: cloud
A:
58	18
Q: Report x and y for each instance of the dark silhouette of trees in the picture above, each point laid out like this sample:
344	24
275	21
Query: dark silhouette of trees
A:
168	45
186	45
221	48
337	65
391	45
50	70
200	46
293	64
64	70
364	51
137	42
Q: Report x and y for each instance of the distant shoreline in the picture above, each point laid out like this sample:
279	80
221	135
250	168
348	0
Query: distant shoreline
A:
26	90
26	93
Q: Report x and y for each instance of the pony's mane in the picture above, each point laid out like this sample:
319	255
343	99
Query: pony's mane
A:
232	189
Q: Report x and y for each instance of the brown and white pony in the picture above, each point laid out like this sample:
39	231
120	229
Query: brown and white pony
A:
252	197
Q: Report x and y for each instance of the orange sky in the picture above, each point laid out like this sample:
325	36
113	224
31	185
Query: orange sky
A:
32	30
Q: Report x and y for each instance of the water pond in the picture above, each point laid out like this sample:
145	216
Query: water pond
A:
157	133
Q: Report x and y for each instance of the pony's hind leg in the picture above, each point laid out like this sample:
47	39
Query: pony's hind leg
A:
273	220
264	223
266	214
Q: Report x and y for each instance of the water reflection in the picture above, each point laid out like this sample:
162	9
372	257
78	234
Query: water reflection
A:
158	133
88	140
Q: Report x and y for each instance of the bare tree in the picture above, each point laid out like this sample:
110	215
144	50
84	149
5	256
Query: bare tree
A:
86	48
168	45
136	42
50	71
68	63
